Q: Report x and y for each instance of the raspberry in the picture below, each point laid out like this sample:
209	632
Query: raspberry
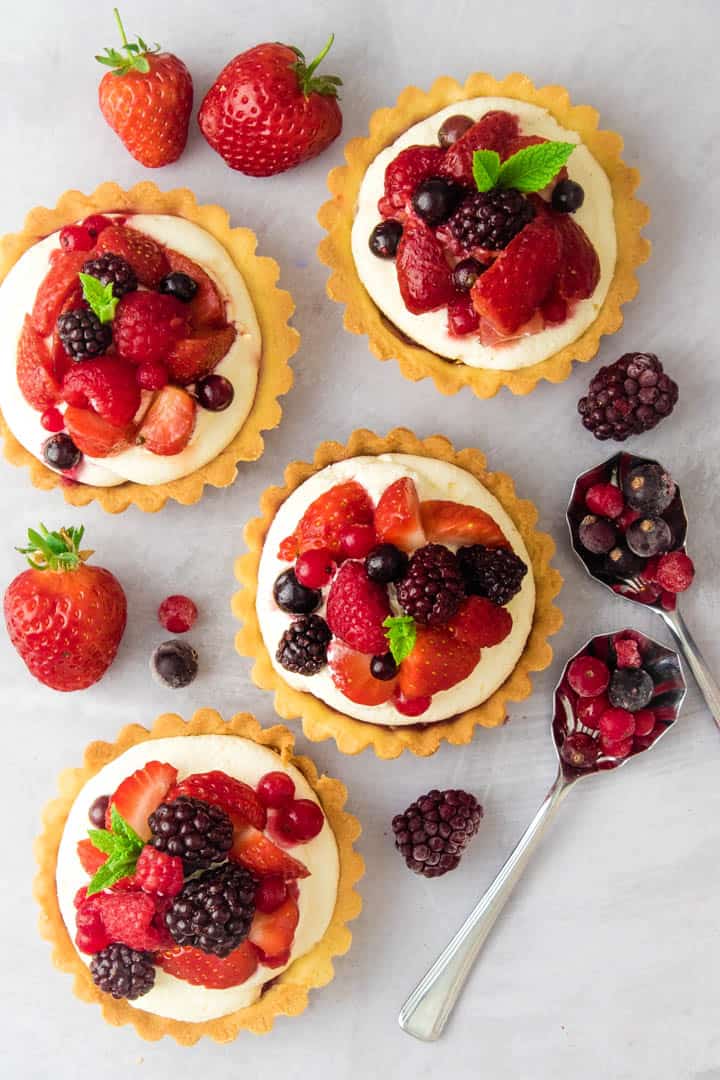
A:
112	269
82	334
490	219
129	918
481	622
303	647
605	499
357	608
495	573
675	571
152	376
404	174
588	676
177	614
434	831
123	972
432	589
314	568
628	397
616	725
579	750
108	386
76	238
147	325
589	710
91	936
627	653
158	873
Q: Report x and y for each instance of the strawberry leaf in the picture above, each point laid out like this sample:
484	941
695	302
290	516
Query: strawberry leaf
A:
99	297
401	635
486	167
533	167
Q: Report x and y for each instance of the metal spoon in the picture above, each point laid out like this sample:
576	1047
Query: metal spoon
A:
428	1007
634	588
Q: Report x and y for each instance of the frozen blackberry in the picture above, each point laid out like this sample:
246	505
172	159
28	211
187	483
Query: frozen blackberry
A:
649	488
622	563
628	397
490	219
495	573
596	534
435	830
432	589
214	912
303	646
293	597
110	268
649	536
82	334
198	832
631	689
123	972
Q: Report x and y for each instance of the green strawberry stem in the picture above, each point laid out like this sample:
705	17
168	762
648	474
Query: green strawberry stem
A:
132	56
324	84
55	550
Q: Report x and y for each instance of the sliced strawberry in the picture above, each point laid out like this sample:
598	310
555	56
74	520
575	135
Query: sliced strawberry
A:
326	519
145	255
273	934
96	437
424	277
579	265
254	850
397	517
224	791
350	671
213	972
91	858
447	522
60	279
480	622
34	369
206	309
108	386
439	660
193	357
493	338
554	308
462	317
357	608
496	130
169	422
402	176
138	795
510	291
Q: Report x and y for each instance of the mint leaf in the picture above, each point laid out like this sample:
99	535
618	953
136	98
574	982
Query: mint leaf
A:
110	873
99	297
122	846
103	840
532	168
486	166
125	831
401	634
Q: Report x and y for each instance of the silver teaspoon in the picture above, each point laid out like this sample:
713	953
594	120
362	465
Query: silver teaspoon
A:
580	755
631	585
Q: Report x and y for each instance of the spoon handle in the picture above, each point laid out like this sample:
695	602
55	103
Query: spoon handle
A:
685	641
426	1011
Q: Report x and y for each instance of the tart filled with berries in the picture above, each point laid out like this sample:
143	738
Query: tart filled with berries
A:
143	337
395	593
485	235
198	879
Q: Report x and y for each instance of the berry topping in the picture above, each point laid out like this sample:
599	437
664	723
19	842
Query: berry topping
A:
510	291
597	535
357	540
91	859
270	894
615	749
198	832
352	673
447	522
140	794
383	667
649	488
130	918
496	573
158	873
257	852
148	325
327	517
616	724
386	563
95	223
622	563
96	813
357	608
462	316
404	173
432	589
412	706
675	571
453	129
174	663
384	239
435	199
169	423
82	334
235	797
588	676
273	934
60	280
213	913
112	270
207	308
628	397
424	277
109	387
205	969
579	750
194	358
94	436
303	646
315	568
215	393
579	270
439	660
649	536
397	517
631	689
181	286
140	251
276	790
35	377
466	273
567	197
152	376
123	972
627	653
76	238
605	500
301	821
490	219
434	831
177	614
481	622
91	936
497	130
293	597
60	452
589	710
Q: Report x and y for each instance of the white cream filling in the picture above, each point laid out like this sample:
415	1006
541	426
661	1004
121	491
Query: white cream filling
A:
434	480
245	760
213	431
595	216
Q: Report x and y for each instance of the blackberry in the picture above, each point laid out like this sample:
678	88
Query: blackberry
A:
110	268
82	334
198	832
213	912
496	573
435	830
303	646
628	397
123	972
490	219
432	589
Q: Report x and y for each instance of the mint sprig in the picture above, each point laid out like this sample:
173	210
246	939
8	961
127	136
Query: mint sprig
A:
530	169
486	169
99	297
401	633
122	845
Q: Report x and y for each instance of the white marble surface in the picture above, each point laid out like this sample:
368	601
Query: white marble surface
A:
606	963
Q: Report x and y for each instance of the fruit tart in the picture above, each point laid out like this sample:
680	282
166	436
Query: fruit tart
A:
197	878
396	594
150	345
484	235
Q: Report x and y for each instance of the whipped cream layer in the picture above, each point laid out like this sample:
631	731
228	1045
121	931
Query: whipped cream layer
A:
213	430
595	216
245	760
434	480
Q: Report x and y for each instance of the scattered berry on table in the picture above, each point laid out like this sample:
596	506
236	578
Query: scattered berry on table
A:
628	397
675	571
434	831
301	821
435	199
198	832
214	393
83	335
112	269
605	499
174	664
649	488
623	563
386	563
466	273
60	452
627	653
96	813
303	646
649	536
432	588
588	676
631	689
179	285
177	614
589	710
213	913
490	219
52	419
357	608
567	197
123	972
76	238
293	597
358	540
596	534
383	667
271	893
276	790
616	724
384	239
644	723
314	568
579	750
453	129
158	873
495	573
152	375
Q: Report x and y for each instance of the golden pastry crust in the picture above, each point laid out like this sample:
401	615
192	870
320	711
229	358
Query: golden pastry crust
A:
273	308
318	719
288	995
361	314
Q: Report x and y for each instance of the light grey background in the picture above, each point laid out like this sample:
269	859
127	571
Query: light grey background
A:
607	961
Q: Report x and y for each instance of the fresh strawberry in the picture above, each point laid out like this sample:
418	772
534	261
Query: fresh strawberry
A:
141	793
206	309
480	622
213	972
91	859
496	130
225	791
462	317
169	422
326	519
158	873
267	111
397	517
402	176
148	326
64	617
193	357
424	277
147	100
129	917
108	386
96	437
34	369
554	308
511	290
357	608
60	279
273	934
147	258
439	660
255	851
447	522
350	671
579	270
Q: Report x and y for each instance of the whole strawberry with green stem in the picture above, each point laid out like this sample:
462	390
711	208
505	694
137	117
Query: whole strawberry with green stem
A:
146	99
64	617
268	111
